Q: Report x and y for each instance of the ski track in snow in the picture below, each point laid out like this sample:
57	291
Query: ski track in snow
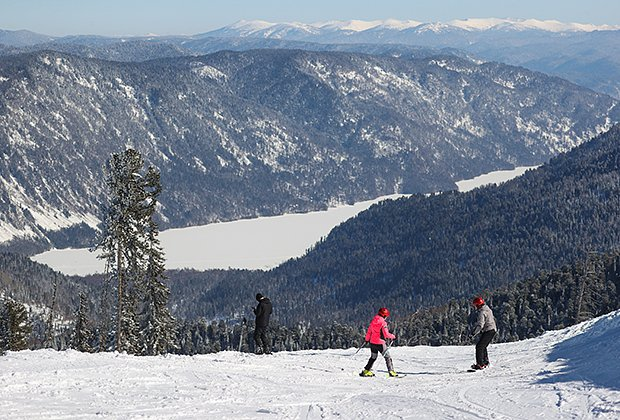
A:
527	380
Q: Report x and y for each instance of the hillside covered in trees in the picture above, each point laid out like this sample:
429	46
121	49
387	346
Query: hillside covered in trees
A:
552	300
410	255
423	251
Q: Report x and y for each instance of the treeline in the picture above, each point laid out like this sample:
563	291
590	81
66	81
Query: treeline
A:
549	301
201	336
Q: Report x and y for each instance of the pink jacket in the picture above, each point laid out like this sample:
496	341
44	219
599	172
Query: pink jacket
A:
378	330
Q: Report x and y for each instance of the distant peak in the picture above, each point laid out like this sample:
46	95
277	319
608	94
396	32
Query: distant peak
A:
470	24
527	24
251	25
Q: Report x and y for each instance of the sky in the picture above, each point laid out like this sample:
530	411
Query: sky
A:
189	17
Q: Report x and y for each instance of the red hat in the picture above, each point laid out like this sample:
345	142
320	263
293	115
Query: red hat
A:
478	301
384	312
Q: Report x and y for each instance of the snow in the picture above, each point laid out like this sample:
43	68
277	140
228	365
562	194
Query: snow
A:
571	373
496	177
260	243
251	25
363	25
526	24
248	28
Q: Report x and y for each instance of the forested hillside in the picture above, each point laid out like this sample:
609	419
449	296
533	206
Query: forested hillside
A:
267	132
552	300
423	251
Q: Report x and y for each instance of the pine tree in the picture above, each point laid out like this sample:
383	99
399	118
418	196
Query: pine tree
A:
122	233
82	335
18	325
131	246
4	327
158	325
49	342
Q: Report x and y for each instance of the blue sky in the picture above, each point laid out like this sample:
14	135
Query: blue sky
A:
166	17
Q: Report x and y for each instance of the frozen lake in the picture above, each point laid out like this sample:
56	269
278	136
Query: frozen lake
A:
260	243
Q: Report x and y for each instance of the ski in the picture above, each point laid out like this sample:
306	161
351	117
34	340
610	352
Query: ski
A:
474	369
400	375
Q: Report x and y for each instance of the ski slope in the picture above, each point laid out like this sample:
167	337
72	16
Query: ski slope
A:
571	373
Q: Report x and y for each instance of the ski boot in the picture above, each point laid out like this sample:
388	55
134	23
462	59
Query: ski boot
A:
367	373
478	367
392	374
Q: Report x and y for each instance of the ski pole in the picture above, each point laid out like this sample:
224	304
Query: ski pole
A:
359	348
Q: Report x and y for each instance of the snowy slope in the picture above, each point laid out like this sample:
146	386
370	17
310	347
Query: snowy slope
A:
572	373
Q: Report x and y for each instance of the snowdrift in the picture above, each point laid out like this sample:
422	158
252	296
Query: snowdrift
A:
572	373
589	352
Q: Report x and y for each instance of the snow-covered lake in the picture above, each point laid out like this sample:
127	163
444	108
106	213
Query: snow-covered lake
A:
260	243
568	374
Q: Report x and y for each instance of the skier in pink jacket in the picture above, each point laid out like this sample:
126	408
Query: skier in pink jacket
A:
376	335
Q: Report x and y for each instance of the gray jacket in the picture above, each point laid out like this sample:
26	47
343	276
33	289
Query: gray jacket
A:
486	320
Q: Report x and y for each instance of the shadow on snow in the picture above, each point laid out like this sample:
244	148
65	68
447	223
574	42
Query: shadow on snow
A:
591	356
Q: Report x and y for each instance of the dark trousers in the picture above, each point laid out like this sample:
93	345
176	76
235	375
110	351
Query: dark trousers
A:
375	349
482	357
262	340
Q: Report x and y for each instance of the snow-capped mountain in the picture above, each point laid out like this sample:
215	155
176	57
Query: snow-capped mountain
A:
582	53
299	31
268	132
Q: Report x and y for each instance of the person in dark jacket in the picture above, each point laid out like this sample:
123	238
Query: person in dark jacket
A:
485	326
261	337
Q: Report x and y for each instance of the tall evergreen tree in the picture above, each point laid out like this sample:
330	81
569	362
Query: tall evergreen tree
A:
121	234
82	335
158	325
131	247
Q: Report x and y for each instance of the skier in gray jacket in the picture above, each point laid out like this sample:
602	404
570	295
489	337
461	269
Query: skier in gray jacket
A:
486	326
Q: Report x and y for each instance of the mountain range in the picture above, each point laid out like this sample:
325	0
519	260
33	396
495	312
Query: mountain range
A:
263	132
582	53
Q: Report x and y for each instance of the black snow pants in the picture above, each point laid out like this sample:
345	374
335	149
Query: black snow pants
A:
262	340
482	356
375	349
